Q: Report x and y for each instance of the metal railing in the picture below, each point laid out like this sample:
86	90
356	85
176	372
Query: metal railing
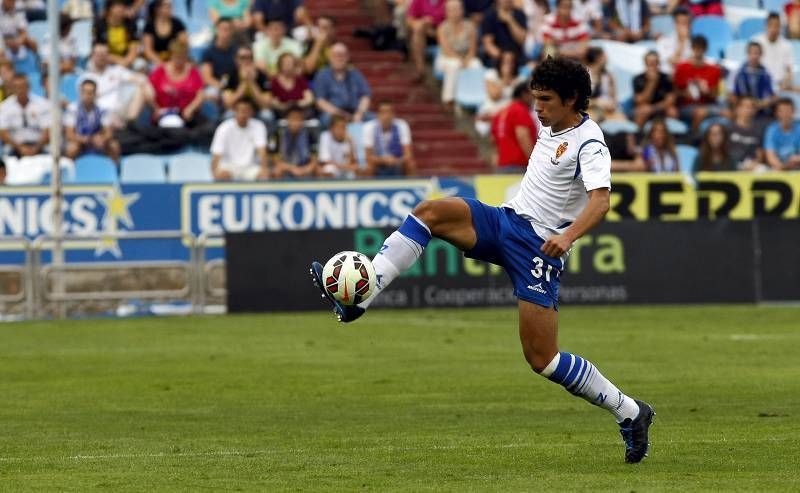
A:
45	283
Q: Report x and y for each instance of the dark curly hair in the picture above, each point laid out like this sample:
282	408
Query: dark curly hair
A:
567	77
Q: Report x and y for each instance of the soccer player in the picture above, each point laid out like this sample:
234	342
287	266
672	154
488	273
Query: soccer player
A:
565	192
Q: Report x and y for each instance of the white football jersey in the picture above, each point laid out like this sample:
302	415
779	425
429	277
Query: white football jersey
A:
562	168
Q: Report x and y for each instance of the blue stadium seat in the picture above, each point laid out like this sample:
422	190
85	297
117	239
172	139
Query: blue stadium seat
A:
26	65
750	27
686	157
661	24
143	168
737	51
355	130
82	32
69	87
180	10
66	176
95	169
749	4
795	50
38	31
774	5
623	77
710	121
614	127
35	81
717	30
677	127
470	88
190	168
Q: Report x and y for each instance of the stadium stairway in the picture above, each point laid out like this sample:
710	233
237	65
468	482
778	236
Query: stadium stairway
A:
440	149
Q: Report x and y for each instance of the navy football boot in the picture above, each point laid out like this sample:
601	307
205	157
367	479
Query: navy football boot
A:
345	313
634	433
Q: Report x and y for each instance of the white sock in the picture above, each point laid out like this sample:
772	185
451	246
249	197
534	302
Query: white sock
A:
581	378
398	253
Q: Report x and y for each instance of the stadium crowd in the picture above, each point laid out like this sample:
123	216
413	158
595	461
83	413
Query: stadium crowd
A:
272	92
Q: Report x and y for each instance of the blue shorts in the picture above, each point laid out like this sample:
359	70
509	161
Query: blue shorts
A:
508	240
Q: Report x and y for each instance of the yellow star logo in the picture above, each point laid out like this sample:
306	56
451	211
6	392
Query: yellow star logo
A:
435	191
117	207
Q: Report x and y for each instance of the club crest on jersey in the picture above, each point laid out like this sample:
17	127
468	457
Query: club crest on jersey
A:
562	148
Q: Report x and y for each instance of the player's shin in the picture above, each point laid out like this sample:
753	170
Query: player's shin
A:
581	378
398	253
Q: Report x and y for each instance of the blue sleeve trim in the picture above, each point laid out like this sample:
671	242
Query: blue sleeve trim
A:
578	167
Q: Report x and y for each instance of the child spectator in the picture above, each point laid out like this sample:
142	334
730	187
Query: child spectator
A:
295	154
753	79
337	157
87	127
745	137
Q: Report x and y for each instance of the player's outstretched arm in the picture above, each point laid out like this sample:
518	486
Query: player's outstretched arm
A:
590	217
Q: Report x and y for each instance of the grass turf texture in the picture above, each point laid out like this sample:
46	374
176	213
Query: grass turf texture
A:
415	400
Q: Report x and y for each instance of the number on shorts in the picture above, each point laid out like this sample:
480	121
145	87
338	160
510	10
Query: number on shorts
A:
537	271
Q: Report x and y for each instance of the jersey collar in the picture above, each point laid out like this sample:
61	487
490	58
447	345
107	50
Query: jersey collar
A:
583	120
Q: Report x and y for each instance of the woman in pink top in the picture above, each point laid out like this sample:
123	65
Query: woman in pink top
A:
422	17
289	88
178	86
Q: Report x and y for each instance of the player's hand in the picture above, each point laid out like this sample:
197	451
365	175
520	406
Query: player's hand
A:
556	246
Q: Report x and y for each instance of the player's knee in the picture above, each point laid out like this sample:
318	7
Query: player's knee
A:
538	360
426	211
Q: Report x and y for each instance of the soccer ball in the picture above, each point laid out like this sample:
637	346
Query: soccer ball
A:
349	277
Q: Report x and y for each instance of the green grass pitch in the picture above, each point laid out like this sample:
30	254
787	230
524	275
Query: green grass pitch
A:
429	400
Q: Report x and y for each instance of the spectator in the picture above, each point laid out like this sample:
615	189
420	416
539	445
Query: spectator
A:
14	29
699	7
458	44
387	143
6	78
714	152
337	156
24	120
34	10
239	146
219	59
273	45
591	12
161	29
2	172
629	20
341	90
658	150
514	132
778	53
500	85
318	51
535	11
676	47
236	11
746	138
603	100
503	28
179	94
134	9
782	138
247	82
653	94
87	127
564	35
67	47
475	9
290	89
792	11
753	79
423	17
113	87
290	12
119	33
697	83
295	156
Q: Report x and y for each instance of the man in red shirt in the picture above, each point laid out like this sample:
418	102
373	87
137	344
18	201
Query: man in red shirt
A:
514	132
697	85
